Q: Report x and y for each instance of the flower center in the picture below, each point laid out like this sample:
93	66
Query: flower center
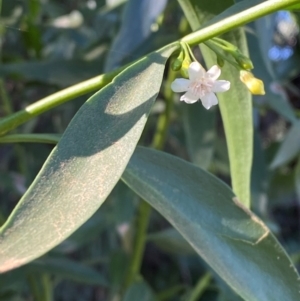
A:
201	86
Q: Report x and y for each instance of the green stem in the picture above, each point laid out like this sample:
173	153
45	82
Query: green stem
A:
6	103
8	110
11	122
200	287
215	49
164	119
144	209
142	221
170	292
226	46
188	50
40	287
47	287
237	20
32	138
1	32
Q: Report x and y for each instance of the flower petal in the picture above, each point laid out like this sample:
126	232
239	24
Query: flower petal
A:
195	71
189	97
221	86
180	85
214	72
209	100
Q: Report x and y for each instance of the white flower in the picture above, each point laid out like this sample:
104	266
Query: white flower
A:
201	85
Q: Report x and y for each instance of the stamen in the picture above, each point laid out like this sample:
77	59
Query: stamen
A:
201	87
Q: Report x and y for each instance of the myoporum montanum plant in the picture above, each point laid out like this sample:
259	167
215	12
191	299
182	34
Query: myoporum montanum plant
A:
99	148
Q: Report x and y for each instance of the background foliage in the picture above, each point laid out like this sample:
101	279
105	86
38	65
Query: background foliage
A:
50	45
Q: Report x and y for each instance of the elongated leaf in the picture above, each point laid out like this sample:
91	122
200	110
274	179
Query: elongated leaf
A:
197	292
226	293
34	138
229	237
67	269
171	241
138	17
277	101
57	72
289	148
59	267
281	190
139	291
200	133
12	279
118	209
86	164
236	104
264	29
86	234
297	179
236	111
54	266
259	177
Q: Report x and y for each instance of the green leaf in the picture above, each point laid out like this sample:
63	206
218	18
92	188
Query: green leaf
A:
277	101
33	138
171	241
235	104
297	178
117	275
228	236
58	72
86	234
226	293
86	164
200	287
137	20
54	266
12	279
289	148
264	33
67	269
236	111
259	176
139	291
200	133
281	189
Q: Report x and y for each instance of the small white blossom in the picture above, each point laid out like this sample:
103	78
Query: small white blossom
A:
201	85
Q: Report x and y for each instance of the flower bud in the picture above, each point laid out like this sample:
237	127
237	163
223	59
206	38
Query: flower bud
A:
220	61
243	61
254	85
176	65
185	66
